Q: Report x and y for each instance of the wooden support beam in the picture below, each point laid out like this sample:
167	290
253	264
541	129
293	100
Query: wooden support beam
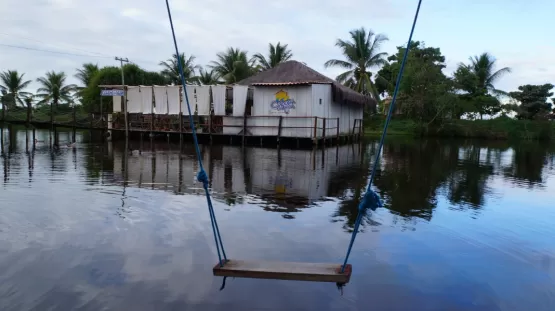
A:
244	126
101	114
28	122
337	138
295	271
279	128
180	126
324	130
315	131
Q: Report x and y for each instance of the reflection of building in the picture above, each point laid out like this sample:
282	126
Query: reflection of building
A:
288	178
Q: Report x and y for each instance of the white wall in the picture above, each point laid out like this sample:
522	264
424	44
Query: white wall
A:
322	103
236	122
310	101
331	110
263	98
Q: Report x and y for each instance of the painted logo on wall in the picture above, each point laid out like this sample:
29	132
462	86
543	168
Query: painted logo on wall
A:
282	103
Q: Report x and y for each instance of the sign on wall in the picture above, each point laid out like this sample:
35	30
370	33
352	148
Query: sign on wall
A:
282	103
111	93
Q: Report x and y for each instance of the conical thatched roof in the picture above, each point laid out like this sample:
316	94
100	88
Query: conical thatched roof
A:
296	73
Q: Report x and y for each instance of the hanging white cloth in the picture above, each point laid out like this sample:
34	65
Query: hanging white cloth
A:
116	104
218	95
239	99
192	95
134	100
203	100
173	99
146	96
161	99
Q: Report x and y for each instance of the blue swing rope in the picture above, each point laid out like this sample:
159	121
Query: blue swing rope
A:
371	199
201	176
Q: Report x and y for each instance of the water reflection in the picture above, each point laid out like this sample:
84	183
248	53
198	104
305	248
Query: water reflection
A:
411	176
104	226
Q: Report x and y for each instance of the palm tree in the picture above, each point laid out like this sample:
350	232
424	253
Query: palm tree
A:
13	84
206	77
171	68
361	54
478	77
276	55
54	89
85	75
233	65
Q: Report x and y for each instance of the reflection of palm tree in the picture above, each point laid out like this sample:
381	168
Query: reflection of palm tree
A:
528	163
348	209
349	185
468	184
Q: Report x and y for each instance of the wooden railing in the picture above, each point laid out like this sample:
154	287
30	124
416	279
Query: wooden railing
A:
316	127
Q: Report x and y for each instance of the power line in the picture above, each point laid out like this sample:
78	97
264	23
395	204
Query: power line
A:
50	43
50	51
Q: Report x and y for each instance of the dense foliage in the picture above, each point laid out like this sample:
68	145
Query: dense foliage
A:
427	94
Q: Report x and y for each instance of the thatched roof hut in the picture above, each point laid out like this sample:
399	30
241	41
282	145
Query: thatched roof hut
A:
296	73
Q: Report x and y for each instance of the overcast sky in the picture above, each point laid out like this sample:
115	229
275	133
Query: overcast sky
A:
517	32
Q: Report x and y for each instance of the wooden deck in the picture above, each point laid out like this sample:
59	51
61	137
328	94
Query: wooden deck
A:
295	271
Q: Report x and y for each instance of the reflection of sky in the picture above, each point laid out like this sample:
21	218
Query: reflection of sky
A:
67	241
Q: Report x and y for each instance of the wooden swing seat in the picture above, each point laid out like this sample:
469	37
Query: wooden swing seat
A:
295	271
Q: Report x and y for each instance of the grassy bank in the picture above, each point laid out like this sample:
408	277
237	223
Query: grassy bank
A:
499	128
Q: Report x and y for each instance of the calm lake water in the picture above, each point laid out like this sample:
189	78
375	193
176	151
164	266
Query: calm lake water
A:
466	226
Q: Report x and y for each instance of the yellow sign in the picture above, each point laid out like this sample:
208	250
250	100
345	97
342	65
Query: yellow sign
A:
282	103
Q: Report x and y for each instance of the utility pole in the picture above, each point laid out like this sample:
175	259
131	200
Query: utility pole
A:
121	61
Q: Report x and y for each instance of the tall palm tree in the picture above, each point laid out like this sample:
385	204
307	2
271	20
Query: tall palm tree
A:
277	54
362	53
171	68
233	65
85	75
208	77
478	77
13	84
54	89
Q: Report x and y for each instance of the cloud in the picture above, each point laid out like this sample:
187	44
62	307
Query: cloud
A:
140	31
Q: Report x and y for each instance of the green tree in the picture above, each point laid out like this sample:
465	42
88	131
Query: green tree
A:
533	101
233	65
362	53
54	89
133	74
13	84
425	93
171	69
85	75
477	83
208	77
277	54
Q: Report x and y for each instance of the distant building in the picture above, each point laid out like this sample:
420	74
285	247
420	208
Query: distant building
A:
301	94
